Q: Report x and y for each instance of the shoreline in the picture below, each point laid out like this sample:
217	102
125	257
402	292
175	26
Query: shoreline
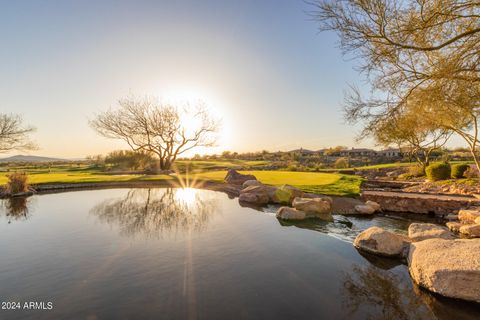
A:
50	188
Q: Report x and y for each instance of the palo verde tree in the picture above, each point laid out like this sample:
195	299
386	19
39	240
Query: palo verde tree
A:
166	130
14	134
404	47
452	105
409	131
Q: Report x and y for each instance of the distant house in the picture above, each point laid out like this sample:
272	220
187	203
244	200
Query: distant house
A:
360	152
302	151
390	153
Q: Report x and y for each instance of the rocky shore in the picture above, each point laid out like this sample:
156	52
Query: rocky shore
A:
437	259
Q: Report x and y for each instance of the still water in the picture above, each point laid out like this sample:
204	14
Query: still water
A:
196	254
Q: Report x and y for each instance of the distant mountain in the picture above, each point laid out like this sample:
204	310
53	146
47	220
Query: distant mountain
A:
23	158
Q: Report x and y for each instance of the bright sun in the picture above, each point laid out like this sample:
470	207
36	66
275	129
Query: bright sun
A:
186	195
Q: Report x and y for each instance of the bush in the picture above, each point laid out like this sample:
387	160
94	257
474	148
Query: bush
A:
471	172
416	171
458	170
341	163
17	182
438	171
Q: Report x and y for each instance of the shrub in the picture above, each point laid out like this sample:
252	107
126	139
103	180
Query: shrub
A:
17	182
438	171
471	172
341	163
458	170
416	171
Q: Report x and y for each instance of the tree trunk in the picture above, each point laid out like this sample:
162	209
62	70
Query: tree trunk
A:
475	159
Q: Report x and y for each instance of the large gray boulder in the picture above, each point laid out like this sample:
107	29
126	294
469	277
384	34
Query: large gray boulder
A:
255	195
423	231
381	242
235	177
287	213
448	267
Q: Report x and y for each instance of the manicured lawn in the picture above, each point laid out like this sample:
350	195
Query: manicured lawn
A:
317	182
79	177
205	165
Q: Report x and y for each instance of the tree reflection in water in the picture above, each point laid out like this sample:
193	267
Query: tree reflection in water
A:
152	212
370	291
16	208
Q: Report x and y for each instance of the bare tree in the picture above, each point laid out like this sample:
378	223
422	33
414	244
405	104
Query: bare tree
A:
166	130
14	134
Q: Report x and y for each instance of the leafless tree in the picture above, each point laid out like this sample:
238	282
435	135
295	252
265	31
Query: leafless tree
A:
147	124
14	134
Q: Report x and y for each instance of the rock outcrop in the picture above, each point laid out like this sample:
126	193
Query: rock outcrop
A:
423	231
448	267
468	216
470	230
255	195
454	226
235	177
287	213
369	207
364	209
286	193
250	183
378	241
313	205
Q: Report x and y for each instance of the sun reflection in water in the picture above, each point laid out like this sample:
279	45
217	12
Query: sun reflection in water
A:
186	195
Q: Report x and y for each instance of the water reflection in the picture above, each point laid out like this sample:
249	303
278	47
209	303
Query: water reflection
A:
341	227
152	212
16	208
369	291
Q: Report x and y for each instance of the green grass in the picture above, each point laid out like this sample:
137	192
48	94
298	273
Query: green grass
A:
81	177
316	182
205	165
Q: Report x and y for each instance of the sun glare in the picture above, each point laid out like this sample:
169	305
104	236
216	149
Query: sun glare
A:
186	195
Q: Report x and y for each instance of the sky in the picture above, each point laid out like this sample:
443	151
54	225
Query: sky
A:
262	66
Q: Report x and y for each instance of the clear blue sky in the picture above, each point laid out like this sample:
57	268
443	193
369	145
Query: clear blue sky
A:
276	81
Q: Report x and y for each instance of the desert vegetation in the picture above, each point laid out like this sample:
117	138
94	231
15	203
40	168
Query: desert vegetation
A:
421	61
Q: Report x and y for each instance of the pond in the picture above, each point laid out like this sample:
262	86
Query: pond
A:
197	254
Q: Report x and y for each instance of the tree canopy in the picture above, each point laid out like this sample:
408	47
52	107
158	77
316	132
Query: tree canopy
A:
166	130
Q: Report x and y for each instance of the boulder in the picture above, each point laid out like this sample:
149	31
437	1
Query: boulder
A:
468	216
313	205
287	213
255	195
448	267
454	226
364	209
381	242
422	231
374	205
235	177
451	217
470	230
284	194
250	183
